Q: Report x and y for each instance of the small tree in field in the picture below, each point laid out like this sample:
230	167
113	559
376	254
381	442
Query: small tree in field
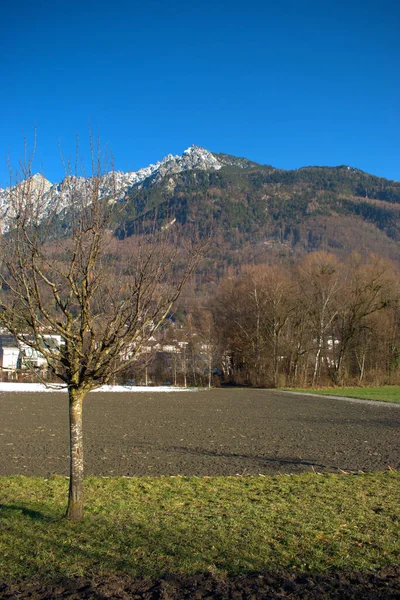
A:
104	297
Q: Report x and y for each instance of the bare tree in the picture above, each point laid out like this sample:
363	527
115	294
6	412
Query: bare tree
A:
103	297
370	288
320	284
251	315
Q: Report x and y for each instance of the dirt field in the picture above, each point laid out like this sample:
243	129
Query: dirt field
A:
219	432
343	585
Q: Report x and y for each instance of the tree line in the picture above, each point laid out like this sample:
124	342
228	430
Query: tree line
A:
321	321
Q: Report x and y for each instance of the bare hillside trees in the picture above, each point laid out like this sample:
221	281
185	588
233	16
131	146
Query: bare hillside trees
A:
64	274
318	322
250	316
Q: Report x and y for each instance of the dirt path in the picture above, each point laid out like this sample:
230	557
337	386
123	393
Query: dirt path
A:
217	432
343	398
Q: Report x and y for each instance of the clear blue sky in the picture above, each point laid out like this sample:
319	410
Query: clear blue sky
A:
289	83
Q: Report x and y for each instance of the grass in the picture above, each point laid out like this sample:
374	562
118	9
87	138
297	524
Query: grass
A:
385	393
151	526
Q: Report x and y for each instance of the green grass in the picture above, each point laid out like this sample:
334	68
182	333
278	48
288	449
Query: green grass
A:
385	393
148	527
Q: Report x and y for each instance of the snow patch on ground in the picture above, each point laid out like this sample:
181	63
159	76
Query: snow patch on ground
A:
40	387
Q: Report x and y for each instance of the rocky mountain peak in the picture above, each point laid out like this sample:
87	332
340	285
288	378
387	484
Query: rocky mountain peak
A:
116	185
36	185
38	180
193	157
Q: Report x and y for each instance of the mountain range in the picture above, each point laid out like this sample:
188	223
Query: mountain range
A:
257	212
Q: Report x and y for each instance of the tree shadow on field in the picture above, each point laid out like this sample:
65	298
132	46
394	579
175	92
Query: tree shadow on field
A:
284	460
35	515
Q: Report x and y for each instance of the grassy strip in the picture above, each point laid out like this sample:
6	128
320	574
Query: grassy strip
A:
147	527
385	393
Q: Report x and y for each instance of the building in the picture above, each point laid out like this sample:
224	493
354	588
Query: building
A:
9	352
15	354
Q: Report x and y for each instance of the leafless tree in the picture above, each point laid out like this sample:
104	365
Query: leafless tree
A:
370	288
103	297
320	283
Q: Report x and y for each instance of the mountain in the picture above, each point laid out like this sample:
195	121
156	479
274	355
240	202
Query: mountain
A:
118	183
257	212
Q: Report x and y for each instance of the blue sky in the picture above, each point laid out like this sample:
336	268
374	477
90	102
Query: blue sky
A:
289	83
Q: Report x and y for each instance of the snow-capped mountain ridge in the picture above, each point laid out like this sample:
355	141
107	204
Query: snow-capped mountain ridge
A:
194	157
116	184
37	186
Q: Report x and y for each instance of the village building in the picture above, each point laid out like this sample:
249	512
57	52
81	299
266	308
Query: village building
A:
9	352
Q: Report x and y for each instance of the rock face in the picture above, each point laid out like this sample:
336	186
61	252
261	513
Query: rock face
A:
192	158
114	185
36	186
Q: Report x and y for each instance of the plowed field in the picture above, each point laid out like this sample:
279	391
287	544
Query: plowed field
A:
217	432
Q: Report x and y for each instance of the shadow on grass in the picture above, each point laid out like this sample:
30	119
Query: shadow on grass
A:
47	547
60	550
35	515
55	549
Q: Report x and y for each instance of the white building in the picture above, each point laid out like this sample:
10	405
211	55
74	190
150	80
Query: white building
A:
9	352
19	355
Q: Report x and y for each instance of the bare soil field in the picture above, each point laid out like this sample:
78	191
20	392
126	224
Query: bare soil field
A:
217	432
343	585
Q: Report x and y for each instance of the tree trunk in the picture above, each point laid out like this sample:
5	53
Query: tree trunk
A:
75	495
276	357
316	363
184	367
362	366
175	370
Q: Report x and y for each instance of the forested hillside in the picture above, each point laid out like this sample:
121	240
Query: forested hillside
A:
259	212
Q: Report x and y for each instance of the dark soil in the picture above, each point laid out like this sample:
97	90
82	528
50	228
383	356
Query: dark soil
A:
219	432
339	585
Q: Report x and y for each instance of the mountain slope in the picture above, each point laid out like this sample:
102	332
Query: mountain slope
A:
255	211
116	184
255	208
